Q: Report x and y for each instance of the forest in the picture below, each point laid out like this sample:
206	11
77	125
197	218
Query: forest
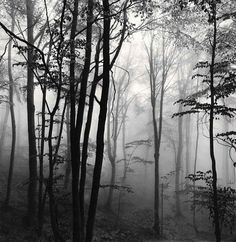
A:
117	120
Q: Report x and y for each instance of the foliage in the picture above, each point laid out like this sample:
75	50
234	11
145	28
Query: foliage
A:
119	188
203	194
224	87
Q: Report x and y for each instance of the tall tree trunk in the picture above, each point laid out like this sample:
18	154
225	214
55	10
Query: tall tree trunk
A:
124	112
194	172
101	122
211	128
76	125
156	225
188	147
41	166
68	156
13	122
32	189
112	143
157	153
225	155
178	162
74	147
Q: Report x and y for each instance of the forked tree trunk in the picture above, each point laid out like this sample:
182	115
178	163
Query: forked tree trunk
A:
74	147
101	123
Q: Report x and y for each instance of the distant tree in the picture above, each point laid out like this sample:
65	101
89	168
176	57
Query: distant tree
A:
114	124
159	66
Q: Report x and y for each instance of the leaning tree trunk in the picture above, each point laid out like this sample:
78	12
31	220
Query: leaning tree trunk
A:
13	122
32	189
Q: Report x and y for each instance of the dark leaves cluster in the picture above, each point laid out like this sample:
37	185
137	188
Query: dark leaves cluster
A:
203	195
224	87
207	6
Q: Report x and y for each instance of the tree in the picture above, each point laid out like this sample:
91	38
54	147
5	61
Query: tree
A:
64	74
220	85
113	130
159	67
32	190
11	103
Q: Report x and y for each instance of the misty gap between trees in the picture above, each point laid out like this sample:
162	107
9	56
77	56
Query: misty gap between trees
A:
117	120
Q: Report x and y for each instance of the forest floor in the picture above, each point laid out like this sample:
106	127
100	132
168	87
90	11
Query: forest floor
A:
132	225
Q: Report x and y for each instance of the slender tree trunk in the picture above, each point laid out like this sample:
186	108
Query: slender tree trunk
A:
4	128
74	147
32	189
226	156
112	183
188	147
195	170
76	126
68	156
157	137
101	122
156	225
178	162
13	122
18	129
41	166
124	111
89	119
112	145
211	129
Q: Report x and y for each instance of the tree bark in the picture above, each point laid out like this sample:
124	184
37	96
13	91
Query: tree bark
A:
4	128
68	155
74	147
32	189
211	128
101	122
178	162
188	147
13	122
